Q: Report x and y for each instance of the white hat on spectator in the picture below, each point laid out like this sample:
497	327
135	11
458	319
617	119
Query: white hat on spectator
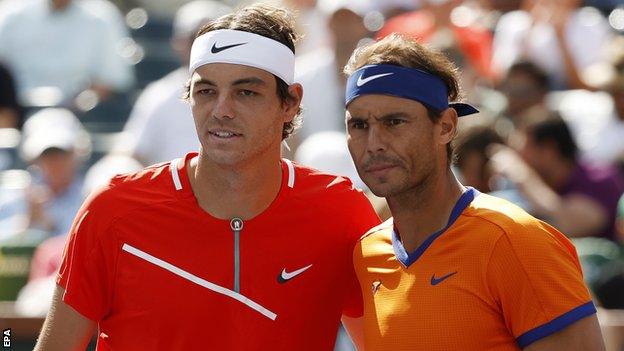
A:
53	128
192	15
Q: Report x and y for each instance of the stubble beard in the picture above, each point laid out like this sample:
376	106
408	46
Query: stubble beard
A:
406	187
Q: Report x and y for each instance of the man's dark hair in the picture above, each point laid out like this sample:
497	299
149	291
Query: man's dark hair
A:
271	22
555	131
476	139
537	75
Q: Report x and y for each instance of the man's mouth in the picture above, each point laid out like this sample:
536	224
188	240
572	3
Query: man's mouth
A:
378	168
223	134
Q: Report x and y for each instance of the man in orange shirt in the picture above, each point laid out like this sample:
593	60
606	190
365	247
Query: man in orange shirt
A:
453	269
233	248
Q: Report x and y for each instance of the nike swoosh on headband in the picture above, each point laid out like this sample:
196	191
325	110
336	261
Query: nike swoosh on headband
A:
361	81
216	50
254	50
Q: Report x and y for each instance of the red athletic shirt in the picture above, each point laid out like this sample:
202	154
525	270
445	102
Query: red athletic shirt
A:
159	273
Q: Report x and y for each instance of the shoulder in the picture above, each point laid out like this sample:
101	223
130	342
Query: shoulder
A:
314	183
127	192
334	200
334	193
503	220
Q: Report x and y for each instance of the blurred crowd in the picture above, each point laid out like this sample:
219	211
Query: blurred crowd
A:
92	88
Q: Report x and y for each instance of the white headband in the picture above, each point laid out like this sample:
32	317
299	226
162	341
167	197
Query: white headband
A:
243	48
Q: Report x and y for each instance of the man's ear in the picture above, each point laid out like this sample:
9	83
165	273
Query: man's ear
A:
293	103
447	126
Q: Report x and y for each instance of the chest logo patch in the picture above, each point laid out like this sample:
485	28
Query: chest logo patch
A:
284	276
436	281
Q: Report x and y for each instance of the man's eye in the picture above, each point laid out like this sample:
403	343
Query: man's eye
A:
246	92
357	125
394	122
205	91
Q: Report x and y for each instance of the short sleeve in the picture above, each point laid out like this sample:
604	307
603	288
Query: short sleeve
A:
535	277
89	259
363	218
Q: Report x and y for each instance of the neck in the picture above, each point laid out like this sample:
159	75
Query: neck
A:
242	190
425	209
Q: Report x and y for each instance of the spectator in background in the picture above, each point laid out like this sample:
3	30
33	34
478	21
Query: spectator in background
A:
599	116
328	152
161	126
596	118
558	36
462	31
620	220
35	298
473	161
10	111
58	45
320	74
109	13
473	166
320	71
54	143
525	87
578	198
311	20
466	40
501	6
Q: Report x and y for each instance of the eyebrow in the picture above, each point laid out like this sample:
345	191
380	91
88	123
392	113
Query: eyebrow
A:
250	80
392	115
352	119
387	116
242	81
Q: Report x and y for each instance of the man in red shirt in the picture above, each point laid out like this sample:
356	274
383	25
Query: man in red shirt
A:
232	248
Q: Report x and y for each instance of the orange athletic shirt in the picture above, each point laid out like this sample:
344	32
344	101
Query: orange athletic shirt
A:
494	279
158	273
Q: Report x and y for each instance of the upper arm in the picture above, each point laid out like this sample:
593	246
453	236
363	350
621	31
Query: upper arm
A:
583	335
536	279
64	328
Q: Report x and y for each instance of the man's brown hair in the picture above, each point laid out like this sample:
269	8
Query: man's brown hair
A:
400	51
271	22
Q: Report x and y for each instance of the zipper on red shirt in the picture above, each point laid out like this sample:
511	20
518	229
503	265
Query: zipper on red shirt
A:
237	226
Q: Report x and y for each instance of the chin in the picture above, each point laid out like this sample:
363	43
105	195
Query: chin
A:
224	158
383	189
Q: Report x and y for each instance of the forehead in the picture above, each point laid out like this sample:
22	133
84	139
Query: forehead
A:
376	105
227	73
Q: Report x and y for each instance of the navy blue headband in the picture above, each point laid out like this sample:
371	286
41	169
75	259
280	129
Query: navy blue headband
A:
403	82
